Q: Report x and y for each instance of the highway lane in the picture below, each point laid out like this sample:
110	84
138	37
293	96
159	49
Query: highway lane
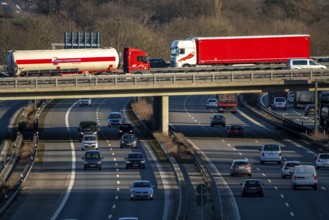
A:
189	115
296	115
60	188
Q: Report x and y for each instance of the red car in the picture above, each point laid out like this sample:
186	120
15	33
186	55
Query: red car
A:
235	130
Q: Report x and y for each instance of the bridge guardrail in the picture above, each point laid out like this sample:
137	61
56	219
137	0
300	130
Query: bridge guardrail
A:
288	76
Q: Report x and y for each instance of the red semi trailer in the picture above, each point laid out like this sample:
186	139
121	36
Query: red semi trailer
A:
75	61
199	51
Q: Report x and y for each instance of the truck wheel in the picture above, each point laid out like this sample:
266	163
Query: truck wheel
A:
186	65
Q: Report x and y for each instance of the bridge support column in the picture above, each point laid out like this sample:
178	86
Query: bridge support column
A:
161	114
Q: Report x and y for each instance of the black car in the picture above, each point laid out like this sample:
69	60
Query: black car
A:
218	119
158	63
92	159
252	187
135	159
87	127
125	128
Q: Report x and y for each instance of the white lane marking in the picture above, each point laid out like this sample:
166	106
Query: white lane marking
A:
118	182
118	189
240	153
114	206
269	180
263	174
256	141
116	197
323	188
292	214
72	176
234	148
118	176
112	153
110	216
115	159
282	196
229	145
222	140
287	204
257	169
275	187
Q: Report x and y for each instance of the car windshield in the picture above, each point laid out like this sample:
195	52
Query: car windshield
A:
238	163
125	126
89	138
236	127
135	156
142	184
92	155
88	127
129	136
273	147
280	99
324	156
252	183
292	164
114	116
218	117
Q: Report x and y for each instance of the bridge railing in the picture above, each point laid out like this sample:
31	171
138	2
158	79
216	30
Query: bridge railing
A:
164	79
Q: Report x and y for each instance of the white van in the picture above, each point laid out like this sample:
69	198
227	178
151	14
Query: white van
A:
297	64
270	153
304	175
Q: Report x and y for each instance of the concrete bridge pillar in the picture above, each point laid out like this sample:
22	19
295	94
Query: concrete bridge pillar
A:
161	114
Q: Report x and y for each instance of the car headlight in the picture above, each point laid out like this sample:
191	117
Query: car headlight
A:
143	161
127	161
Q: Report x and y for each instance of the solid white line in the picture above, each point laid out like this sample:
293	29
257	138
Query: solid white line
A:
72	176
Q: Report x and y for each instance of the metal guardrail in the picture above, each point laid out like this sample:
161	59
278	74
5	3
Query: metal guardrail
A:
164	79
28	166
286	124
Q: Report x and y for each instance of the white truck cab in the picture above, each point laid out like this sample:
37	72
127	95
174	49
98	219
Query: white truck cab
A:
183	53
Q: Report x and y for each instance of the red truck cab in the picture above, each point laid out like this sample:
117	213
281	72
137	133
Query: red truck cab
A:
135	61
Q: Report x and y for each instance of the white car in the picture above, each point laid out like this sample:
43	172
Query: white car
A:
271	153
141	189
211	103
288	168
304	175
322	160
115	118
85	101
279	103
89	141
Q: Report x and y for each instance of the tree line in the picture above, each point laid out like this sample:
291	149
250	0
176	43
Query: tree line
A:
152	25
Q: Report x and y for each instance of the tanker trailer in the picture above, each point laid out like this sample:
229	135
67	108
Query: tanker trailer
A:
73	61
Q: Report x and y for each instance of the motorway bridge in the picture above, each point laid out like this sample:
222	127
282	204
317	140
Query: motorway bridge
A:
162	86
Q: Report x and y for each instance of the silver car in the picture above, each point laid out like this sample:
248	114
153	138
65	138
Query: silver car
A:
128	140
85	101
241	167
141	189
89	141
288	168
322	160
211	103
